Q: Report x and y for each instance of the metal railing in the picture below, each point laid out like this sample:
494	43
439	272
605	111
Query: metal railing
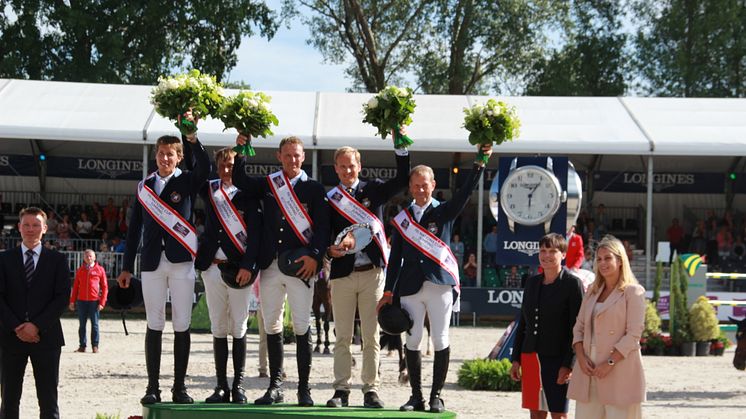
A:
112	262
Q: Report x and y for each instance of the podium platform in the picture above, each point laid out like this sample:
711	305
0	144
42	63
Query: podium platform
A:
233	411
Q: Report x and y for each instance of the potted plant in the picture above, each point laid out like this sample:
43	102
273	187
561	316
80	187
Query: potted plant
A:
720	344
656	344
703	323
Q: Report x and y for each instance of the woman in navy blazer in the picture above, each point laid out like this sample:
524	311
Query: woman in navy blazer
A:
542	352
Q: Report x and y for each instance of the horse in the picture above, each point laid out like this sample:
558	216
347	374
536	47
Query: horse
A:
322	296
739	359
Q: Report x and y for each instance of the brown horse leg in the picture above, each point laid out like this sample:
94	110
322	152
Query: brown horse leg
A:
317	316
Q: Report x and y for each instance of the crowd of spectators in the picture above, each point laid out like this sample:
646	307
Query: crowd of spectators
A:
719	239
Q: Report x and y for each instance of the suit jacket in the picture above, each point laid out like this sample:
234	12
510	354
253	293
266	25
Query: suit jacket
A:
277	235
408	268
215	236
179	194
374	195
618	326
575	252
547	328
42	301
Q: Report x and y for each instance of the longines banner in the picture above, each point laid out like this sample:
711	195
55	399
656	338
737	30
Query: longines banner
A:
495	301
662	182
521	247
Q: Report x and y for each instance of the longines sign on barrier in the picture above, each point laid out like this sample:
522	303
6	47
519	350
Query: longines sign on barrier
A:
492	301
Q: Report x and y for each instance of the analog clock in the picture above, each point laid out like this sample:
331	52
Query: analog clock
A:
531	195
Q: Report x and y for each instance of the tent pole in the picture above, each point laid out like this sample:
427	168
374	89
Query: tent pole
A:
144	160
649	226
480	227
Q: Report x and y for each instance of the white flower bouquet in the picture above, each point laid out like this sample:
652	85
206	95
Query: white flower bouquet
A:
249	113
389	110
176	95
493	122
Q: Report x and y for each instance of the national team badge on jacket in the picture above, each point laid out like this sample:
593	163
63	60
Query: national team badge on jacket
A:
366	203
432	227
175	197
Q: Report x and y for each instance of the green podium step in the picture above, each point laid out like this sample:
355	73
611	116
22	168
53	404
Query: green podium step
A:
227	410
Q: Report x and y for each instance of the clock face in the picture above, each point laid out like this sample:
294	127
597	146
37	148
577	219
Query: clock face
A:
530	195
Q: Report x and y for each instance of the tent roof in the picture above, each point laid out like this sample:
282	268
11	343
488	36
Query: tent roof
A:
568	125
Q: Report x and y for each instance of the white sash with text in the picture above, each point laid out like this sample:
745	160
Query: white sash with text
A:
167	217
352	210
228	215
430	245
290	206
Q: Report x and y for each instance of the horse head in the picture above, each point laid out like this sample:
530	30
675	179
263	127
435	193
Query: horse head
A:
739	359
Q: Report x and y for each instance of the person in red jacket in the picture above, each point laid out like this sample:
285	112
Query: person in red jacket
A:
89	293
575	254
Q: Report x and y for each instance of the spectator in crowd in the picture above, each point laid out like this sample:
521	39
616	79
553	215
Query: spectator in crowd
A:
736	262
574	257
457	247
470	271
118	245
542	352
110	216
84	226
699	238
89	295
63	232
608	380
127	211
97	217
728	220
628	249
725	242
52	223
581	225
588	259
513	279
490	247
675	237
712	243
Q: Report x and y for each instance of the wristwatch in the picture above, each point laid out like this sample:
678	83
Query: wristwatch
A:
611	362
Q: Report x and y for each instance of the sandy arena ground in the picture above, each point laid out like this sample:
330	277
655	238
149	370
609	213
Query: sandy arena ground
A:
113	380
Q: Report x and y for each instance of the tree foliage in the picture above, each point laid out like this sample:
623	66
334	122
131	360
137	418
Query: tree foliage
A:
124	42
691	47
593	60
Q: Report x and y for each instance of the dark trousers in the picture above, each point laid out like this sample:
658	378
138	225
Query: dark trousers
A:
87	310
46	365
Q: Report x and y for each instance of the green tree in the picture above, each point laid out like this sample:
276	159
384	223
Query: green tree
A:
448	46
691	48
474	46
124	42
378	38
592	62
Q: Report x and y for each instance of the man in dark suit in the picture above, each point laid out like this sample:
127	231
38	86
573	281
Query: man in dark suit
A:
34	288
423	271
357	278
295	218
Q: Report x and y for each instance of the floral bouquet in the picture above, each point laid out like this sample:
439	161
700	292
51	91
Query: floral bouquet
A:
493	122
249	113
390	110
176	95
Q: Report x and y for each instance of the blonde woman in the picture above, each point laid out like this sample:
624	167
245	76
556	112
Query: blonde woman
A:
608	379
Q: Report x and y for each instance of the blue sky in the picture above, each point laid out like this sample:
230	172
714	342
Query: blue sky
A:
286	62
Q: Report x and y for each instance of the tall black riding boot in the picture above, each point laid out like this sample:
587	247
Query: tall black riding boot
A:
220	350
182	343
239	363
440	371
303	357
414	366
275	354
153	365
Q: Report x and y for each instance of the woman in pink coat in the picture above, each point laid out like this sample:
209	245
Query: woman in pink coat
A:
608	379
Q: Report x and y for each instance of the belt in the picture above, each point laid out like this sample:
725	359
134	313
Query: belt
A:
363	268
219	261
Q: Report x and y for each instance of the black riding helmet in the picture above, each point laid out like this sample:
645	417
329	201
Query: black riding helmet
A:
394	320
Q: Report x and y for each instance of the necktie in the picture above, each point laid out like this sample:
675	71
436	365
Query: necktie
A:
28	266
351	191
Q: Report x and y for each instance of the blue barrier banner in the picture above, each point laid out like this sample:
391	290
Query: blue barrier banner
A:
491	301
15	165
